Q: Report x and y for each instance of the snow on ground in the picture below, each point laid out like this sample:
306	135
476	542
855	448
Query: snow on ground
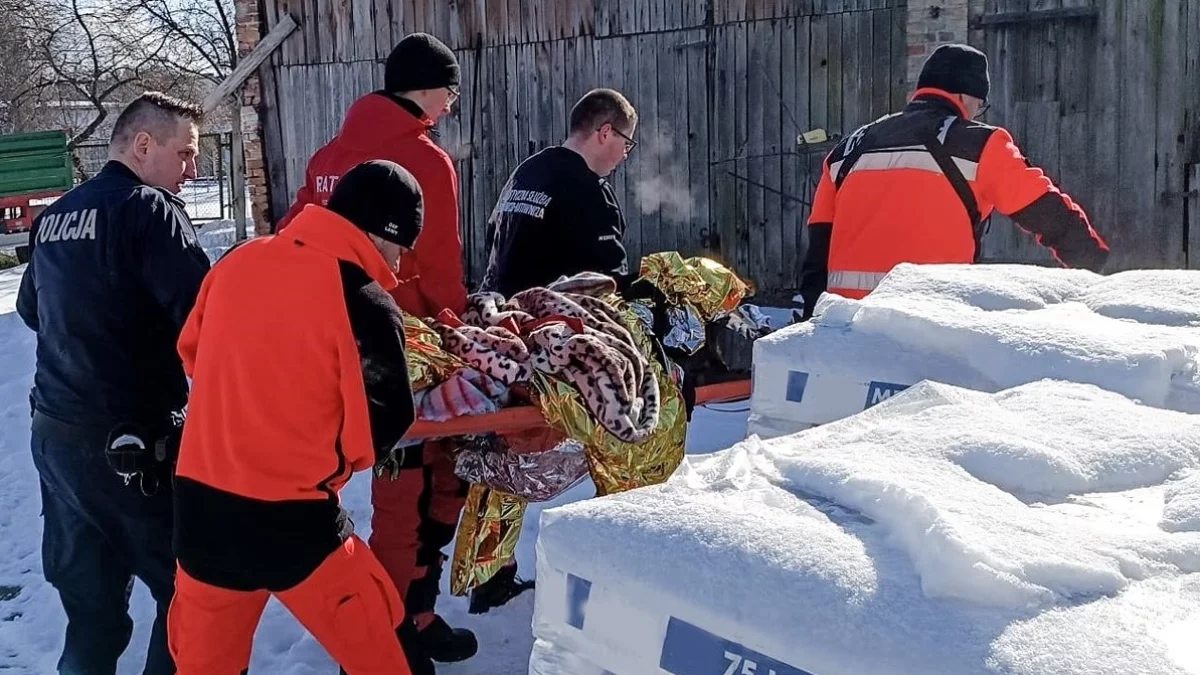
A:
943	532
31	618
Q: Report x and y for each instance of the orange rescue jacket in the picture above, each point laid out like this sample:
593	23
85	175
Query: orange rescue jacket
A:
883	199
276	427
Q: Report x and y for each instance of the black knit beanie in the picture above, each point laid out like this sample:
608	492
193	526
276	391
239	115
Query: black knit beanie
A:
420	61
382	198
957	69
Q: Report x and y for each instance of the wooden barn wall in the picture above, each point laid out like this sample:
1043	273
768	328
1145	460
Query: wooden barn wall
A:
723	89
1105	95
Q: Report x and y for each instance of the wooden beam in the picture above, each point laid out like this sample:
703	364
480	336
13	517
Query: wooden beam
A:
1058	13
261	52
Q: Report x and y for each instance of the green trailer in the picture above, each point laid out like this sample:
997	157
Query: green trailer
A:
33	166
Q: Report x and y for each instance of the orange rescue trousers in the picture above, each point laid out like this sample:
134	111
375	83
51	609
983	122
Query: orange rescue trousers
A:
348	604
415	517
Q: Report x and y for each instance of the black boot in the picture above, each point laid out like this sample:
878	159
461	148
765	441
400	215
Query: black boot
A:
410	644
419	661
444	644
498	590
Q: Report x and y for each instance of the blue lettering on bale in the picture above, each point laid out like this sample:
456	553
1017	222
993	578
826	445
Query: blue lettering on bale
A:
878	392
689	650
579	590
797	382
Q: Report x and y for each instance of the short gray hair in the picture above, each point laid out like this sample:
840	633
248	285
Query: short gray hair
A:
157	114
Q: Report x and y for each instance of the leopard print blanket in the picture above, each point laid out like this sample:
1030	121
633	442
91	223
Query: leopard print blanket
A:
574	336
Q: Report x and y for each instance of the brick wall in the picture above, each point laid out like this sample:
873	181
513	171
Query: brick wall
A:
932	23
248	35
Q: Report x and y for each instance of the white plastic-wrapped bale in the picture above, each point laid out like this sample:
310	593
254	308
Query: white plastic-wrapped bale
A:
943	532
984	327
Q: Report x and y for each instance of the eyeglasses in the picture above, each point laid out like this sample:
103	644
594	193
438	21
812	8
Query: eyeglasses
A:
630	144
454	95
983	110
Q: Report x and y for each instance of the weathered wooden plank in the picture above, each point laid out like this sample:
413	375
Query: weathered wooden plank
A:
270	17
819	74
546	101
1193	223
789	128
697	85
1170	154
772	170
381	20
757	44
739	247
656	193
1077	58
673	158
1103	117
308	20
878	55
487	176
275	146
525	106
512	84
625	52
900	88
365	29
837	75
649	173
674	15
342	12
796	179
723	118
561	55
495	22
1074	158
1139	80
400	13
607	15
854	105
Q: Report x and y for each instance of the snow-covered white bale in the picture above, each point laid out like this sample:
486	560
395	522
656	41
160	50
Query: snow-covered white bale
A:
1035	531
984	327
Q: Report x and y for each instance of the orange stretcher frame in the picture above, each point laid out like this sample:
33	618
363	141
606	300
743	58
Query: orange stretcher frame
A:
522	418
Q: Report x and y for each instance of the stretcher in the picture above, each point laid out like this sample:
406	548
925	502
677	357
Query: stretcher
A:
528	417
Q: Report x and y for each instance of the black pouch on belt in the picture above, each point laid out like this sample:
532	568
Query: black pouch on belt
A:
133	452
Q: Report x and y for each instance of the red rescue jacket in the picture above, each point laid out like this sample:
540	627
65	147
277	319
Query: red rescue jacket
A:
379	127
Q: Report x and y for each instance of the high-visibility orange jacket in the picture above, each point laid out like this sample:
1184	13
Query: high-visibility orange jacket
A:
883	199
275	427
379	126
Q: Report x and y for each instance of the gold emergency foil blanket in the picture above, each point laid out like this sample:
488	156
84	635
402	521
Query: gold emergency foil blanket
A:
491	523
712	288
428	363
487	537
616	466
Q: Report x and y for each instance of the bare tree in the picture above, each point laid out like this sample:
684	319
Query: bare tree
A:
89	53
199	33
20	83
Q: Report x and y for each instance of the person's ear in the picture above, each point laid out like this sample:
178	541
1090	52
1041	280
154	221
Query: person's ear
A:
141	143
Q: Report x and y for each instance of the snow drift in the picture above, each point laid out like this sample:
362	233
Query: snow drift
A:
984	327
945	531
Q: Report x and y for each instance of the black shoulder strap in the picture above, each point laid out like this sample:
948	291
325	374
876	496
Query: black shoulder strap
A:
851	159
957	180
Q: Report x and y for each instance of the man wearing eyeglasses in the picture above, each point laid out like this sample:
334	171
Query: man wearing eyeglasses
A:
558	215
916	186
417	502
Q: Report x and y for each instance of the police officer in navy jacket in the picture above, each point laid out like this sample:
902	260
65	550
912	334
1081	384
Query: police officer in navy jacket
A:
115	267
